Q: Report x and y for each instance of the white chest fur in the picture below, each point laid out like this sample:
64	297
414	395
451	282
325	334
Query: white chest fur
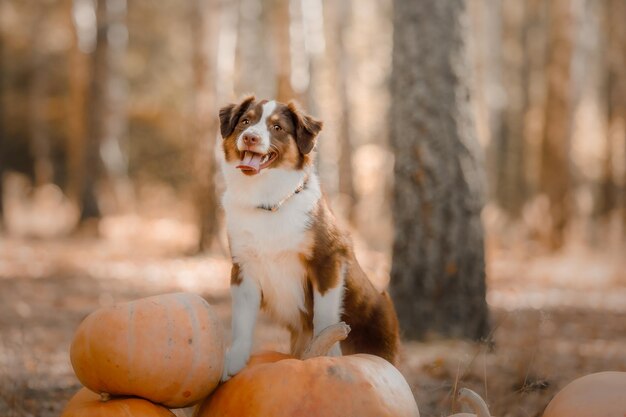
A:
267	245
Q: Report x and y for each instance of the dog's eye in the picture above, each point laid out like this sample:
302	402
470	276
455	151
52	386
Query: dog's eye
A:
277	128
245	122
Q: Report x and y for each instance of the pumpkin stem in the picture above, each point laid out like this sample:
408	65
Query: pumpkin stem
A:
321	344
105	396
475	401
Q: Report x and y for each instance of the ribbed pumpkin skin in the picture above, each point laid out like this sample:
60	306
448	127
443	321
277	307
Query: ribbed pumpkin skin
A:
87	404
596	395
349	386
167	349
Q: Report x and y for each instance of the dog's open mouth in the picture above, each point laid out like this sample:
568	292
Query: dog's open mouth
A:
252	163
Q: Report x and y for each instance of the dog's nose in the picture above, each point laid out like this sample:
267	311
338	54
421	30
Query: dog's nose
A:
251	139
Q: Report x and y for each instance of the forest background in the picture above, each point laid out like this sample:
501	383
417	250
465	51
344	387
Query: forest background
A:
109	182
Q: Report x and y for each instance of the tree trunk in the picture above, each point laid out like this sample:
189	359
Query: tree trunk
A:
535	51
555	181
96	108
606	198
37	117
614	15
346	183
204	111
338	139
615	94
254	70
112	149
78	78
490	91
617	108
2	133
510	182
279	22
227	34
438	269
103	156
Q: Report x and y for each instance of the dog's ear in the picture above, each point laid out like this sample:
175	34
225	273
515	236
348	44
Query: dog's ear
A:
230	115
306	127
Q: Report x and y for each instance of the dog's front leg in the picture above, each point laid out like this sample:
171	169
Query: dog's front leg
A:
328	303
246	302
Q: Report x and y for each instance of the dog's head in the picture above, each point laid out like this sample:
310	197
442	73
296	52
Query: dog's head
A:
264	134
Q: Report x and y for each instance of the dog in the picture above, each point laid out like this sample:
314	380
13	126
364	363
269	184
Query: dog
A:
289	256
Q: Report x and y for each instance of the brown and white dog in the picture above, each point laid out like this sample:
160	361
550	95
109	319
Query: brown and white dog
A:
289	256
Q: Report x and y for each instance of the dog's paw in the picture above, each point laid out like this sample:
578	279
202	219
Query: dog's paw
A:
236	358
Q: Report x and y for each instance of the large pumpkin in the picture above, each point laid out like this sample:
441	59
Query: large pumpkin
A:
596	395
167	349
89	404
278	385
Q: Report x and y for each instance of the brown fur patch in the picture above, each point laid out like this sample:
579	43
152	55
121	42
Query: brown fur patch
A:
235	275
369	313
328	251
231	114
307	128
371	316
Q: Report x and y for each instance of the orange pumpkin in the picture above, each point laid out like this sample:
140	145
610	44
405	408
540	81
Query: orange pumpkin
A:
277	385
89	404
167	349
596	395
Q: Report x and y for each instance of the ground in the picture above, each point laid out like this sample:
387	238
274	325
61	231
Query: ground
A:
554	318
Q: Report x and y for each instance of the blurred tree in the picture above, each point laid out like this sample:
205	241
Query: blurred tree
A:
37	95
255	72
112	145
2	131
509	143
342	16
613	16
336	108
617	103
227	50
78	80
203	34
490	92
535	51
306	19
555	176
616	86
96	108
103	156
279	22
438	269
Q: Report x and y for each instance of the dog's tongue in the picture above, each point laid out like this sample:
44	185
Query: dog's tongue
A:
250	161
